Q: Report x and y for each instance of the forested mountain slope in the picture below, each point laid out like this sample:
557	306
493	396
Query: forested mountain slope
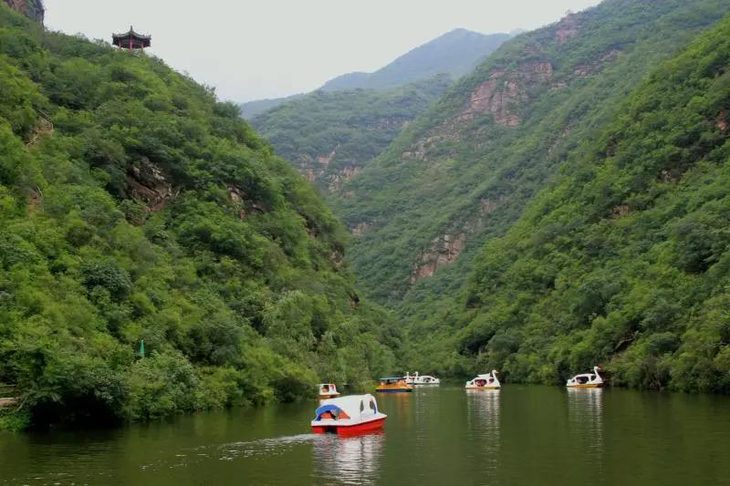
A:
625	259
463	172
331	136
134	207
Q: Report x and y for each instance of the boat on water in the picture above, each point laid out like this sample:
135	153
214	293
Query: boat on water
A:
327	390
586	380
421	380
393	384
348	415
487	381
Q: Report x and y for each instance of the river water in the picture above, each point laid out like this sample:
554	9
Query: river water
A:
532	435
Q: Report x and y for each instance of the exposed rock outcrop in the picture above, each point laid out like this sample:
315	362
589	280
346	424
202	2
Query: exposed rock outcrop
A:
33	9
567	28
360	229
43	129
420	150
244	205
147	183
444	250
342	176
8	402
588	69
723	122
325	160
504	91
488	206
390	123
310	174
621	211
314	168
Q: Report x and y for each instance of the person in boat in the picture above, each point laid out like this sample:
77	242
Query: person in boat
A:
342	415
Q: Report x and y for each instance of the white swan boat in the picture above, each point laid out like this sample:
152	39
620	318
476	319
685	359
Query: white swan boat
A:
586	380
484	382
417	379
327	390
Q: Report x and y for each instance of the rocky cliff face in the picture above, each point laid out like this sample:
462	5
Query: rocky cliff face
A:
32	9
463	171
444	250
506	90
147	183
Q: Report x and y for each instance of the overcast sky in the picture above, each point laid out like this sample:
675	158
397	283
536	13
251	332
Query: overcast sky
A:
268	48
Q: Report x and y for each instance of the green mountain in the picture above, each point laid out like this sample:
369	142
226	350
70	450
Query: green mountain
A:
331	136
463	174
135	208
625	258
455	53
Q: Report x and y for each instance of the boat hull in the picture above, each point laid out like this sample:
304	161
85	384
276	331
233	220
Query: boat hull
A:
586	385
483	388
330	395
348	430
394	390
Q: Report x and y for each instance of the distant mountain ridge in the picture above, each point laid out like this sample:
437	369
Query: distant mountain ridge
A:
455	54
251	109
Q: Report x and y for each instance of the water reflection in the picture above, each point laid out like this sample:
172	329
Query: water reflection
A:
348	460
483	407
585	418
522	435
400	405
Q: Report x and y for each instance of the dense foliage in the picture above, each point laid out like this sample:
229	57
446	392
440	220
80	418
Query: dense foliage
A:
133	206
330	136
463	173
625	260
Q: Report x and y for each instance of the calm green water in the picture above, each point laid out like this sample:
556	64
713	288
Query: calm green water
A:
440	436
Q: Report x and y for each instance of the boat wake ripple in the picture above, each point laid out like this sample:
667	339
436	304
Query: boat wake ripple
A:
232	451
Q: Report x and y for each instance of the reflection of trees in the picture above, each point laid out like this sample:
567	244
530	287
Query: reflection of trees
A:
483	427
585	417
348	460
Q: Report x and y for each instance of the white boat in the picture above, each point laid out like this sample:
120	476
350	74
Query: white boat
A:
327	390
417	379
484	382
350	415
586	380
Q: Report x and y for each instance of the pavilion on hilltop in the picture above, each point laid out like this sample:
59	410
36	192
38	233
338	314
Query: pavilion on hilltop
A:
131	40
